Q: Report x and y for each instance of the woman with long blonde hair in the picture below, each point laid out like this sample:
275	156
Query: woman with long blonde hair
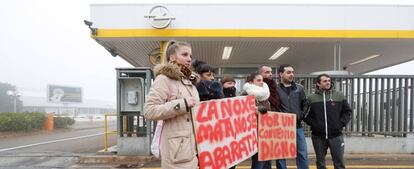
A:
170	99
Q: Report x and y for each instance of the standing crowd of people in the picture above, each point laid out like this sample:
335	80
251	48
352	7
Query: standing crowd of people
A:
183	82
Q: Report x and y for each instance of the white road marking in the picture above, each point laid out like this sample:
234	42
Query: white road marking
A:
48	142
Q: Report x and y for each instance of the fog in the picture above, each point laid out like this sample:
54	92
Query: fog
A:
46	42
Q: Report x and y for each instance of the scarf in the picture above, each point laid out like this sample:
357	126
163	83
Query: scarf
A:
184	70
229	92
260	93
274	97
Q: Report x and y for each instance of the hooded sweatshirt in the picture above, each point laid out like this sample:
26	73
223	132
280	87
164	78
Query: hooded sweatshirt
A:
329	113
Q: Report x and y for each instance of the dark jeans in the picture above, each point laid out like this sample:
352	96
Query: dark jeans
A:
302	161
256	164
281	164
336	145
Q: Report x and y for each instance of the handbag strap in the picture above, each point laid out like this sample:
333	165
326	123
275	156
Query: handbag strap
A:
169	93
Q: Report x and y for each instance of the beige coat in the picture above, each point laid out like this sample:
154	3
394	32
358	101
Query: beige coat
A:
178	148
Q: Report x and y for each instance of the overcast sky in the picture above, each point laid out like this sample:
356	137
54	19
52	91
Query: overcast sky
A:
46	42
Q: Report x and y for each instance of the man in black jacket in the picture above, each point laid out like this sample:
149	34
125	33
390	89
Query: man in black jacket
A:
293	100
328	115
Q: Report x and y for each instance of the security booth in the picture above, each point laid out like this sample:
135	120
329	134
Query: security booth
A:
134	132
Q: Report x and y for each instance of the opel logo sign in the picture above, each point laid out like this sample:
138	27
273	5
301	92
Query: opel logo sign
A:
159	17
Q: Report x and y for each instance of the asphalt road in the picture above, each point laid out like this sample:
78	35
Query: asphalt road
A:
57	149
62	148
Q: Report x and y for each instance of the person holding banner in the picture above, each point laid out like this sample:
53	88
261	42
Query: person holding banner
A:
229	90
170	99
293	100
207	88
274	100
328	115
255	86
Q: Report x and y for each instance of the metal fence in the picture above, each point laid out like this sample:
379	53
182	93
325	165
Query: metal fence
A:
382	104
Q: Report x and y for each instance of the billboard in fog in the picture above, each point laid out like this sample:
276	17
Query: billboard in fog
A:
64	94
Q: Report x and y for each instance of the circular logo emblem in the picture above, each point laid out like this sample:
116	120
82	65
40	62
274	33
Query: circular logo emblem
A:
159	17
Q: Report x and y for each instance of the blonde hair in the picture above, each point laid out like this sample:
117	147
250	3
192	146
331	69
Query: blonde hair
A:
172	46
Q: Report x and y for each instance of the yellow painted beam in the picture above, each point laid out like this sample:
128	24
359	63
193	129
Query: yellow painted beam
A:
252	33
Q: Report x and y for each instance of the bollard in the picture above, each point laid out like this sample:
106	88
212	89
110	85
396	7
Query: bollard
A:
48	125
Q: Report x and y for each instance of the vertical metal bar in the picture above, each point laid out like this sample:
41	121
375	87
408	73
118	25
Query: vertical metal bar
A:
340	85
149	123
352	103
339	57
124	127
347	98
400	104
334	56
130	125
387	112
370	116
394	105
118	107
106	133
364	105
140	130
376	112
412	105
358	105
309	85
382	105
406	105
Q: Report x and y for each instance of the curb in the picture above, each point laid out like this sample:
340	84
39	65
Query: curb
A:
114	159
379	157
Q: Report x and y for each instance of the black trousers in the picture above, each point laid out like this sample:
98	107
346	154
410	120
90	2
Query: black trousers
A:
336	145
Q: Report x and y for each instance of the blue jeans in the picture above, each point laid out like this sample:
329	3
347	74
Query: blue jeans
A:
302	161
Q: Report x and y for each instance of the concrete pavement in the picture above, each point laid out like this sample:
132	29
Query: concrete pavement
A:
352	161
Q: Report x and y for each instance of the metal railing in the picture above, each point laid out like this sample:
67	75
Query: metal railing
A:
106	130
382	104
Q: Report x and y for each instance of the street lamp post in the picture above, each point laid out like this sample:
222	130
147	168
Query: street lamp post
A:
15	95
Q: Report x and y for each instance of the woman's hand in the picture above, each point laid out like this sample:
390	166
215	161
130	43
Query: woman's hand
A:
191	102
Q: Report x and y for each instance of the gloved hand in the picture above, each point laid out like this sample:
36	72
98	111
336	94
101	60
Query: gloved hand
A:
262	109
